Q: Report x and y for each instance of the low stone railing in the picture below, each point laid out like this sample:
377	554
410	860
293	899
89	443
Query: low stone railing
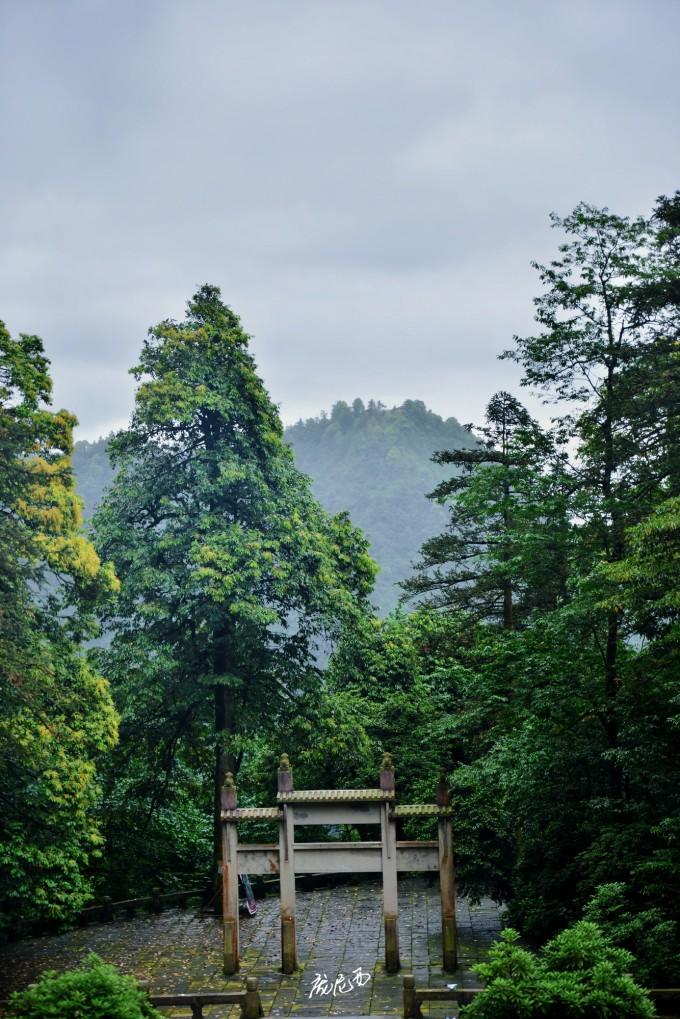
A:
153	903
415	996
248	1000
665	999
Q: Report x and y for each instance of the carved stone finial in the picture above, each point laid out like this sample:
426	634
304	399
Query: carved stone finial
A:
387	773
285	775
228	796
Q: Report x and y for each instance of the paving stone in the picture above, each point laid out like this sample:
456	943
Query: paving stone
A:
339	930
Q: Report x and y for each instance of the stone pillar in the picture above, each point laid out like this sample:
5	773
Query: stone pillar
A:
287	870
447	879
229	876
411	1009
252	1008
388	834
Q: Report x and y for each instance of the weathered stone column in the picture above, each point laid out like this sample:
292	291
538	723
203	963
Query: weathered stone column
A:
252	1008
229	875
287	869
447	878
411	1010
389	868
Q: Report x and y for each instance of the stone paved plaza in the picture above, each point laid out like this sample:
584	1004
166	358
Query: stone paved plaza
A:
339	931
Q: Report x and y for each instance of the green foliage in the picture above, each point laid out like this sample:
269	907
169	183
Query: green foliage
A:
95	991
647	581
57	715
577	974
646	933
371	461
403	676
233	576
155	832
504	552
586	775
557	723
323	733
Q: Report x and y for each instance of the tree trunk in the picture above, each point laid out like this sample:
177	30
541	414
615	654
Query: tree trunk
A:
224	696
225	759
508	621
507	606
611	692
616	542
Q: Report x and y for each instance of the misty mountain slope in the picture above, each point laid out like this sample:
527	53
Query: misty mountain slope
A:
372	461
375	463
93	472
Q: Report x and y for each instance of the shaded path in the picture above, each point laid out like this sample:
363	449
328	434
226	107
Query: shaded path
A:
339	929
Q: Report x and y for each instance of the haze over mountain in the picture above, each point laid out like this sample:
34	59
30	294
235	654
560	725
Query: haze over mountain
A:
375	463
370	460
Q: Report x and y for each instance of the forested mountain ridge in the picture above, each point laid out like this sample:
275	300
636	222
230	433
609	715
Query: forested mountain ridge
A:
375	463
93	471
370	460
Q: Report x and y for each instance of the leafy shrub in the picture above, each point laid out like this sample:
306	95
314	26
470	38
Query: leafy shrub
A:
651	935
97	991
578	973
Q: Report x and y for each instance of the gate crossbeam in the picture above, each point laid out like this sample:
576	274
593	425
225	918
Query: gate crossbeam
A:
337	857
289	858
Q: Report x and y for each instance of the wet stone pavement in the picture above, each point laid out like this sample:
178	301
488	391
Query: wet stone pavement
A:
339	943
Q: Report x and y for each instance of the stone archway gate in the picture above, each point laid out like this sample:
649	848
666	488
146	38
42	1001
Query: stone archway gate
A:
331	807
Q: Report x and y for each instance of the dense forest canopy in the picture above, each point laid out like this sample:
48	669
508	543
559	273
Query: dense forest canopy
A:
370	460
536	666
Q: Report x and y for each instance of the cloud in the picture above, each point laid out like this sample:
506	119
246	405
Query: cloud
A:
366	182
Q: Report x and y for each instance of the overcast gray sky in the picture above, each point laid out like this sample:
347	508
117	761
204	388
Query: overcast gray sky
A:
367	180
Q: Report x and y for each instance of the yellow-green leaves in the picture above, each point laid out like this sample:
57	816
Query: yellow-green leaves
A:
57	714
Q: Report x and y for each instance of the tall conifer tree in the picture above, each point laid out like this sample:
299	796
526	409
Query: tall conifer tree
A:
598	349
503	552
231	572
